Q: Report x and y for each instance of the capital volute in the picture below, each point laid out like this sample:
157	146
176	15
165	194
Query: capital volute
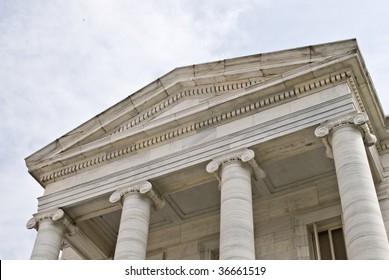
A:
144	188
57	215
243	155
360	120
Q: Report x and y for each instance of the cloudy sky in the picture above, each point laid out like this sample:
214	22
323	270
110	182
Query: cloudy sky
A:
63	62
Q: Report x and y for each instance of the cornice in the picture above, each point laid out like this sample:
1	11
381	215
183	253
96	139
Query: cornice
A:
251	107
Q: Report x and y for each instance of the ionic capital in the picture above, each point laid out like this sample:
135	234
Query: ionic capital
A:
144	188
244	155
360	120
56	216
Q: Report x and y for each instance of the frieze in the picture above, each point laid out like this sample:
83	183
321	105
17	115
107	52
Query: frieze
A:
259	104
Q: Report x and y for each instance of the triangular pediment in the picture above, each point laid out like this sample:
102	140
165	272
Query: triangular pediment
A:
187	92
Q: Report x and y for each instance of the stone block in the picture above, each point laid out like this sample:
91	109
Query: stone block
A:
261	210
264	240
265	250
283	246
182	251
303	251
155	256
320	214
293	201
192	257
300	230
284	235
287	255
164	238
266	257
200	228
301	240
273	225
328	192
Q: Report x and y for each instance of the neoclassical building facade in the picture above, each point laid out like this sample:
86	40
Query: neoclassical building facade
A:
281	155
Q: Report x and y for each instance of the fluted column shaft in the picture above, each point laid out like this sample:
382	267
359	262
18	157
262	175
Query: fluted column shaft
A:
236	212
51	229
364	229
134	223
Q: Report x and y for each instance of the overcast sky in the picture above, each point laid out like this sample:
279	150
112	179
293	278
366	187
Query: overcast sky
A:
63	62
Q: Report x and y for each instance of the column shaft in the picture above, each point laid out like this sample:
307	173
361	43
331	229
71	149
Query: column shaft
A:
236	213
134	227
134	223
48	241
364	229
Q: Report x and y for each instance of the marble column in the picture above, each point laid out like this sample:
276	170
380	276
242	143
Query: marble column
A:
364	228
134	224
236	213
51	227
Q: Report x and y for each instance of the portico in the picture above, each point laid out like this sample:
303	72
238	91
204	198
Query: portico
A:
365	232
256	157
